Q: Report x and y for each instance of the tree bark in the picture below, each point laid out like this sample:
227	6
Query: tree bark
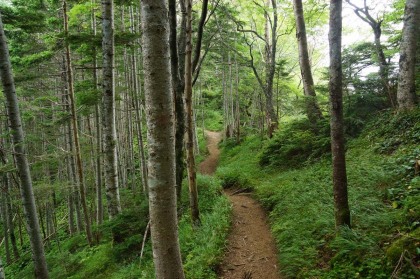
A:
192	179
341	206
160	123
406	94
18	140
312	108
110	133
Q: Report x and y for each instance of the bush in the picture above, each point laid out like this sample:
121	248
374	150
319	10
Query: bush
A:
296	143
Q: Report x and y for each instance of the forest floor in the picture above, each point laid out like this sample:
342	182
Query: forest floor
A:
251	250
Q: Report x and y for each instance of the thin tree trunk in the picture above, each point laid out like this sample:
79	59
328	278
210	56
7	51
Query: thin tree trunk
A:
26	190
99	204
192	179
406	94
160	123
376	25
110	133
79	163
3	219
177	49
341	206
312	108
2	276
7	182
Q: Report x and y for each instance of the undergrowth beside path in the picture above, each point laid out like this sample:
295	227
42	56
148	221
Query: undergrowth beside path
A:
384	202
201	248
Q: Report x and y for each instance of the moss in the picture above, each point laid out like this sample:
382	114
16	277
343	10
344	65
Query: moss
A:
406	243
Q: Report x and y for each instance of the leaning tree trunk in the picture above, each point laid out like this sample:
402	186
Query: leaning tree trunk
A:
22	163
110	133
160	132
312	108
192	177
406	94
341	206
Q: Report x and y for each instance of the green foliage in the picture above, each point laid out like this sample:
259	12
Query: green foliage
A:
296	143
202	248
390	131
300	202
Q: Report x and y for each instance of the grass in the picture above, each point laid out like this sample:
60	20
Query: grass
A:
300	204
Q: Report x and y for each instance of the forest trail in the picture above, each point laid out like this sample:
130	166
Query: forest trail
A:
251	249
209	165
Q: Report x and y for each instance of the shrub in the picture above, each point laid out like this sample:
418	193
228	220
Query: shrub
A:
296	143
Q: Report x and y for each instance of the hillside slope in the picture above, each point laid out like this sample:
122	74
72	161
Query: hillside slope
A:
384	199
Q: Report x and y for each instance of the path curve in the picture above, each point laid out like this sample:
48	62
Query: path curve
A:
251	251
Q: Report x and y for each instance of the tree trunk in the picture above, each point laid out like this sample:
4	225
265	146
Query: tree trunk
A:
26	190
192	179
110	133
80	177
160	123
177	49
312	108
375	24
406	94
2	276
8	201
341	206
3	221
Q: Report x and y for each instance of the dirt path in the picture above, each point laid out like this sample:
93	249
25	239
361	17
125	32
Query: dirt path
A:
251	248
209	165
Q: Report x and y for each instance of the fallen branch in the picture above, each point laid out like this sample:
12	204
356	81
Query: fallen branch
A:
144	240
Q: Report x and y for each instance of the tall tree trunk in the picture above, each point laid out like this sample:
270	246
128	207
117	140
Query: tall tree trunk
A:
192	179
341	206
312	108
26	190
80	175
160	123
270	70
177	49
110	133
406	94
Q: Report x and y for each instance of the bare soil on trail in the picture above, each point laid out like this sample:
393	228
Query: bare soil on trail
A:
209	165
251	251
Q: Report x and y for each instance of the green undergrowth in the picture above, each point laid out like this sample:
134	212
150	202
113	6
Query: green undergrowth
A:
201	247
383	195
